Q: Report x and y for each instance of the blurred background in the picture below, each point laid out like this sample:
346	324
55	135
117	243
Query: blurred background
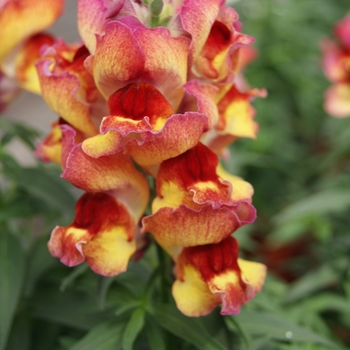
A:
300	169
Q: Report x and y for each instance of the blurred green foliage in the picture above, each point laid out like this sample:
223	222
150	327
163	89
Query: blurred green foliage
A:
300	169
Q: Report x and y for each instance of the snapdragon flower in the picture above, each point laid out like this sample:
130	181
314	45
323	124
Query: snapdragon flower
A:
336	66
155	92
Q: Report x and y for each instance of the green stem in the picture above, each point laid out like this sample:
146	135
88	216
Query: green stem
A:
163	272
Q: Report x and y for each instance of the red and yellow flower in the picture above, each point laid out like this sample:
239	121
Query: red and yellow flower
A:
194	205
132	93
210	275
106	216
22	23
336	66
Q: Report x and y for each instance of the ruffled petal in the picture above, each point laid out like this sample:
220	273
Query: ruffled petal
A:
210	275
216	38
193	204
192	295
93	15
101	234
115	174
236	118
197	18
50	149
67	87
144	128
242	190
202	100
25	59
148	55
185	227
222	47
23	18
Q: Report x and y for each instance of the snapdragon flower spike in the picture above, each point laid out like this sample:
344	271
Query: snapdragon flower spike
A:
102	235
142	124
20	19
210	275
68	88
336	66
113	174
194	206
216	38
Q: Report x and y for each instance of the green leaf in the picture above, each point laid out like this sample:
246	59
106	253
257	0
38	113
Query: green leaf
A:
14	129
12	265
39	261
189	329
71	308
278	328
102	289
154	335
106	336
327	302
43	183
234	325
77	271
21	326
133	328
310	282
326	202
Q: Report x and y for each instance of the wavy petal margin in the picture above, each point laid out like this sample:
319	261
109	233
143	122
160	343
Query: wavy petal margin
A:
148	55
144	128
25	59
67	87
193	204
210	275
102	235
113	174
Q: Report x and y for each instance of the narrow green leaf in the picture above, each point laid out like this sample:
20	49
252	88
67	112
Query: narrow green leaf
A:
310	282
12	264
102	289
105	336
154	335
327	302
133	328
232	323
67	342
326	202
126	306
44	183
71	308
278	328
39	261
189	329
77	271
21	326
17	129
